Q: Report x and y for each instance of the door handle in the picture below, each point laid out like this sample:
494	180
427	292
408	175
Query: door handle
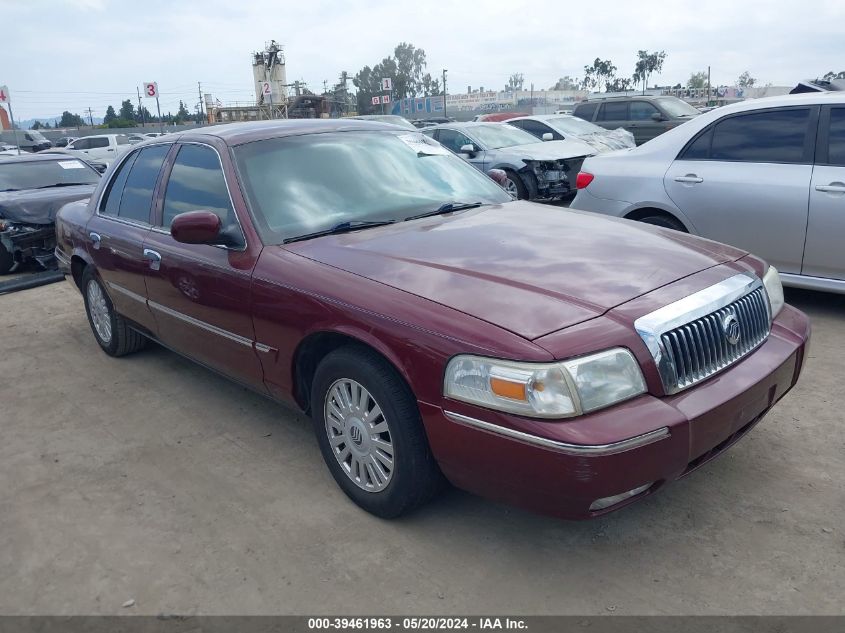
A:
689	178
834	187
95	239
153	257
110	150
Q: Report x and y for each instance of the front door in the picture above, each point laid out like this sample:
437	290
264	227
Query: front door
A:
200	293
745	181
118	229
824	255
642	122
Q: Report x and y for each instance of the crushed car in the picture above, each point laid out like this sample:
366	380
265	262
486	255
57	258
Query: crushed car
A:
558	127
33	187
535	169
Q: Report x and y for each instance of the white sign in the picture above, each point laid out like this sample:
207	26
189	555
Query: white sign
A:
151	89
4	94
376	100
387	84
71	164
266	89
385	99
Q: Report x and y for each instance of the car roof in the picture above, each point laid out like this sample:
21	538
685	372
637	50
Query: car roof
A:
468	125
807	98
239	133
33	158
542	117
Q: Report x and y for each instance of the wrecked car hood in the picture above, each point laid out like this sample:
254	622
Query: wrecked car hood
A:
609	141
551	150
528	268
39	206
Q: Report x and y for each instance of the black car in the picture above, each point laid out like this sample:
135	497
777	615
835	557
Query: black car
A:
33	187
645	116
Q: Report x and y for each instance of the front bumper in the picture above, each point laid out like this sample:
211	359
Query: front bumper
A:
558	468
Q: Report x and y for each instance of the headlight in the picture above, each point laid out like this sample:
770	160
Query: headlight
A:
545	390
774	289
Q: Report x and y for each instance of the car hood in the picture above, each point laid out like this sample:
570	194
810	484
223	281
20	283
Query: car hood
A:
550	150
528	268
608	140
39	206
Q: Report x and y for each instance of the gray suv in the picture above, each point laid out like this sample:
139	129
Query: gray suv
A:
644	116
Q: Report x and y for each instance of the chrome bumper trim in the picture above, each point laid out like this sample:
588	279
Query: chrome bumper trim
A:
585	450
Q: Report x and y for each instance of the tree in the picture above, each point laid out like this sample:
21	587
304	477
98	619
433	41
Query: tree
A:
566	83
127	110
619	84
830	76
697	81
647	65
515	82
110	115
430	86
405	69
70	120
410	62
38	125
182	113
745	80
603	72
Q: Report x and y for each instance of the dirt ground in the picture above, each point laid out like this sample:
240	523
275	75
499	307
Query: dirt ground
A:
150	478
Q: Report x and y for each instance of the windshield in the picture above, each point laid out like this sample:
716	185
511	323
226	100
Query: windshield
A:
45	173
36	135
676	107
573	125
302	184
496	136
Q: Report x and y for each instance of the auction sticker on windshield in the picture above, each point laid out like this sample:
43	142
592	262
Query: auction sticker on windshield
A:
71	164
423	145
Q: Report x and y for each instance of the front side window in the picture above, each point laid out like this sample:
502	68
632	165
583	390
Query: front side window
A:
774	136
98	141
453	140
82	143
613	111
197	183
836	138
301	184
137	198
642	111
533	127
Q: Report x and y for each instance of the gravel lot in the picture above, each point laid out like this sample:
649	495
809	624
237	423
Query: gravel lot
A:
150	478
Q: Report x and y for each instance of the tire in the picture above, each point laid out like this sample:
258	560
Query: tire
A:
666	221
408	475
514	184
111	330
7	261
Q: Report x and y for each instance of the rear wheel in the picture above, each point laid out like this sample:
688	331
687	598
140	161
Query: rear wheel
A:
370	433
111	330
666	221
514	185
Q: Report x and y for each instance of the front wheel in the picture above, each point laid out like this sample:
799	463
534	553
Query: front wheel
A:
111	330
370	433
514	185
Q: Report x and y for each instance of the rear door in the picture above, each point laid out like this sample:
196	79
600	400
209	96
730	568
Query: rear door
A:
118	228
824	255
613	114
745	180
199	293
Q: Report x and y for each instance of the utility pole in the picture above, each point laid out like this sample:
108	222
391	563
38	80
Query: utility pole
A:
708	86
444	92
90	118
201	111
140	107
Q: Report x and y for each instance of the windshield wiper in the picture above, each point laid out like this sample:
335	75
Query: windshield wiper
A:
446	208
342	227
9	189
65	184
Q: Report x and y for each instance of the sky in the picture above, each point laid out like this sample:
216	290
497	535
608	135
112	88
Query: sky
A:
58	55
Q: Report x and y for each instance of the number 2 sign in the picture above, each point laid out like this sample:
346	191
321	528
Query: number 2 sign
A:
151	89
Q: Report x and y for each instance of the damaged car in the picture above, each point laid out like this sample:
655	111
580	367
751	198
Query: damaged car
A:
559	127
33	188
535	169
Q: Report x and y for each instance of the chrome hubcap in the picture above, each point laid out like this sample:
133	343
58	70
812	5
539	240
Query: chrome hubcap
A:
510	187
99	309
359	435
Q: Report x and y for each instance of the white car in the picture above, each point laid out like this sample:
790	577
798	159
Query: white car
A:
100	147
765	175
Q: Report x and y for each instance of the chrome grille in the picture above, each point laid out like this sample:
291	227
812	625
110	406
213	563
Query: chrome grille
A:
699	335
701	348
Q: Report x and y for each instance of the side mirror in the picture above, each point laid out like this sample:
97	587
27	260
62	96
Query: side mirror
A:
469	148
499	176
196	227
548	136
657	117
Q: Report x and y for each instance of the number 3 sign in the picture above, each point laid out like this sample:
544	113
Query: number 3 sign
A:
151	89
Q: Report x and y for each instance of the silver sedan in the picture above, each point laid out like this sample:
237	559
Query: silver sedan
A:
766	175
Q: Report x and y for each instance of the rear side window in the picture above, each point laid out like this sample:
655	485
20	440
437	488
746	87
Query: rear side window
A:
98	142
586	111
699	149
111	201
613	112
836	138
137	198
122	140
775	136
197	183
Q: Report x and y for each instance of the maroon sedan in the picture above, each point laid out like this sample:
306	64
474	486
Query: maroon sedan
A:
434	328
